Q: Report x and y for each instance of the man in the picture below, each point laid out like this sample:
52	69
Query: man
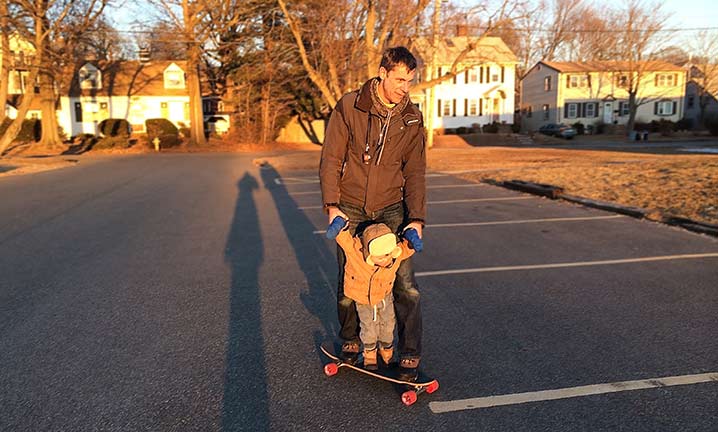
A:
372	170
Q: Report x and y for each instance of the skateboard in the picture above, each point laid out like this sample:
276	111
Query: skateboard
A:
413	389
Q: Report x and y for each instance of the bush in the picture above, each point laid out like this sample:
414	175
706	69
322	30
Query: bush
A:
114	127
112	142
599	127
711	124
515	128
185	132
580	128
490	128
31	129
158	127
166	141
461	130
666	127
684	124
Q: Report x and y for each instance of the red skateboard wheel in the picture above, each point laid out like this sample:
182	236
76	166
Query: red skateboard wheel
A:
431	388
331	369
408	397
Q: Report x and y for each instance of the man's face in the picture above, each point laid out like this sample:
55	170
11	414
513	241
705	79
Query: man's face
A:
395	83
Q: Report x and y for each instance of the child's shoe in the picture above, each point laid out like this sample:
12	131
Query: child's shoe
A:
370	359
387	354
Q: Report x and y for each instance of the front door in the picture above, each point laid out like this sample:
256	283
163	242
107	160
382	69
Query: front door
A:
608	112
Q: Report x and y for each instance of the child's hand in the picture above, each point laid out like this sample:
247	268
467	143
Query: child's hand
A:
337	225
413	236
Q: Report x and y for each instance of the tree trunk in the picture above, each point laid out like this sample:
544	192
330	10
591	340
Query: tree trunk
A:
14	129
6	60
50	137
197	137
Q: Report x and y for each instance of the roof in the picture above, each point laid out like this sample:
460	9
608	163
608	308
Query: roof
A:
487	49
607	66
130	78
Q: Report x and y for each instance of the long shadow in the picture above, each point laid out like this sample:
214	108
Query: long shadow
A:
245	403
315	258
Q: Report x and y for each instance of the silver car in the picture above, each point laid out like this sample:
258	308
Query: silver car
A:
560	130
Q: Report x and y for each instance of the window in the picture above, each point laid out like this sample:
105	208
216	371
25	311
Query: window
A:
446	108
691	102
473	75
664	108
622	81
473	107
591	110
577	81
572	110
495	78
545	109
174	77
103	106
547	83
529	112
89	77
665	80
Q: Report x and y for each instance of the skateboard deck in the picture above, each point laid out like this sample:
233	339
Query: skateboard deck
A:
413	389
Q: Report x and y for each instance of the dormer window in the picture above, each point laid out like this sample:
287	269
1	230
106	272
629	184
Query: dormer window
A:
174	77
90	77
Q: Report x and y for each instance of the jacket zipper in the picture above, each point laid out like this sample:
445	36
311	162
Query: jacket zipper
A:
370	279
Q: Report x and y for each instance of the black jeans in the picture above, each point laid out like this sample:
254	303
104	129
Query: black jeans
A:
406	292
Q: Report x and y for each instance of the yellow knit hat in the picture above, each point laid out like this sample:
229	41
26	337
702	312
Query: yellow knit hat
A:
378	240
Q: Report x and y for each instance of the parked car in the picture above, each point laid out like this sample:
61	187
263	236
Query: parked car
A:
558	129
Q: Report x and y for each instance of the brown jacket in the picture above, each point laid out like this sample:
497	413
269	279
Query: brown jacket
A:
398	174
364	283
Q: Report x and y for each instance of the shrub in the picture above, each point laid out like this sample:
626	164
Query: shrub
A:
490	128
185	132
684	124
461	130
580	128
114	127
711	124
515	128
31	129
159	127
166	141
666	127
112	142
599	127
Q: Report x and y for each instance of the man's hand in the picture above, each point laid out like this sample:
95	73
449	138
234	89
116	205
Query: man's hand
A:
334	212
417	227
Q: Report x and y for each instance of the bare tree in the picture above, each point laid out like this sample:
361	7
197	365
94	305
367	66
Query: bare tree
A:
704	70
640	36
53	27
5	59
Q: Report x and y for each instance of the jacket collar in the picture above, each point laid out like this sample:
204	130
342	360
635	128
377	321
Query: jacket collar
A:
366	99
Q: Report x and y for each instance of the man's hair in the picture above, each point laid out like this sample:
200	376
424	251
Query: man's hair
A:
396	56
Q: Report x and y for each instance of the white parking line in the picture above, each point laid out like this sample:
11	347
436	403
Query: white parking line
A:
570	392
511	222
564	265
428	187
450	201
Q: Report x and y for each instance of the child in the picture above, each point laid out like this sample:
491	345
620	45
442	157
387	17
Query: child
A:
369	273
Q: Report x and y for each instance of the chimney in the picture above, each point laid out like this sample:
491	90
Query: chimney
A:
462	30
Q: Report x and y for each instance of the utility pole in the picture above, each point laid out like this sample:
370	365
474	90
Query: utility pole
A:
431	105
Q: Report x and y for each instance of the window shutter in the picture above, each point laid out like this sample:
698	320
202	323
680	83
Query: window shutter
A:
454	79
568	81
620	108
655	80
453	111
655	108
675	106
589	80
466	107
466	76
481	107
481	75
583	110
439	104
595	109
502	73
565	111
675	80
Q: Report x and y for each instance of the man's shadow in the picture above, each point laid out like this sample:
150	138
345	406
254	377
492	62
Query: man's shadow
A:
315	258
245	402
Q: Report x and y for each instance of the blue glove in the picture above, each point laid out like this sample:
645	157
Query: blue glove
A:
416	243
336	227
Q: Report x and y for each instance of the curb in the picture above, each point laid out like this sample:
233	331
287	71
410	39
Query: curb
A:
555	192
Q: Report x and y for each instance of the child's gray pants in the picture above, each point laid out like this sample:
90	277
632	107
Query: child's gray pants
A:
377	323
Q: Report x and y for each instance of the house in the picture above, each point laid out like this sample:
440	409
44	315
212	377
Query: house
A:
483	90
701	89
596	92
20	57
131	90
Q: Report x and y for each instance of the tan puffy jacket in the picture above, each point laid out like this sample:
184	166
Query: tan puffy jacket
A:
367	284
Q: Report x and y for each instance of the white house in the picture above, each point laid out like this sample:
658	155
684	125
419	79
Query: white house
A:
131	90
20	55
701	92
483	90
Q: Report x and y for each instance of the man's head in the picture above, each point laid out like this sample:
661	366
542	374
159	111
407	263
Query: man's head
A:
396	72
379	245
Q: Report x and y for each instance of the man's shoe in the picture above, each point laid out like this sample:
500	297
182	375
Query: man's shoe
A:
350	352
409	369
